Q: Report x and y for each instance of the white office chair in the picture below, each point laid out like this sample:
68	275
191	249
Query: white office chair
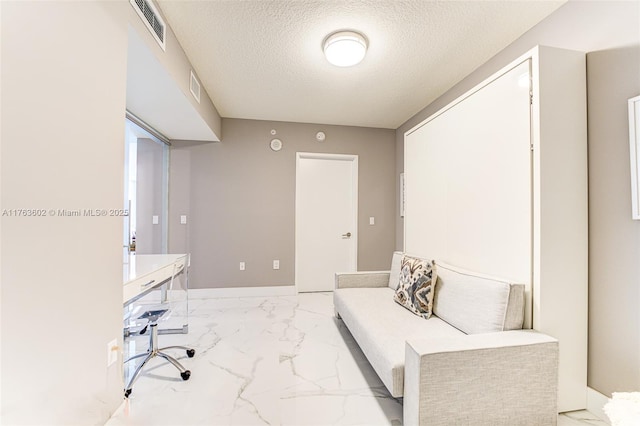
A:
152	317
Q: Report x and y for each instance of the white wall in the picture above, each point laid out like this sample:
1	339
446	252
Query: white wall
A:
63	99
63	103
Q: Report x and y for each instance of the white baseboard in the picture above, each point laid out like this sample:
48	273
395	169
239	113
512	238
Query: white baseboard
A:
595	402
211	293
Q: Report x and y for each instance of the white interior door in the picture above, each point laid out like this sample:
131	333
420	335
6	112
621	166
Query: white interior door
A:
326	219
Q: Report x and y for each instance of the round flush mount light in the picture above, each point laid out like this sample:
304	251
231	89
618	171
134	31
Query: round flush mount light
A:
345	48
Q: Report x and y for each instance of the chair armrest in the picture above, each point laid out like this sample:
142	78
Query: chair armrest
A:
482	379
362	279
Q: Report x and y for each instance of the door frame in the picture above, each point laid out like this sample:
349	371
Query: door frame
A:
354	187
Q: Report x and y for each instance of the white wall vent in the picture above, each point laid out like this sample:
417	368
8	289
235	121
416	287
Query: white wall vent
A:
151	18
194	85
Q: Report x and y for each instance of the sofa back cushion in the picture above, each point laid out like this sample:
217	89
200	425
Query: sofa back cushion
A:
475	303
394	275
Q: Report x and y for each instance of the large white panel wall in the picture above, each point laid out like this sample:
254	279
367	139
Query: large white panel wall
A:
468	181
497	183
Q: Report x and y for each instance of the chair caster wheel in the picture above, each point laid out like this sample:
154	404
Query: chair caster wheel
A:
127	392
185	375
191	353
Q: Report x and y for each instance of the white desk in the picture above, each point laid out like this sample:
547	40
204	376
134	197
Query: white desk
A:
145	272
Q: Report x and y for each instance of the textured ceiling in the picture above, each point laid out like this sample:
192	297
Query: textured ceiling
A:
263	59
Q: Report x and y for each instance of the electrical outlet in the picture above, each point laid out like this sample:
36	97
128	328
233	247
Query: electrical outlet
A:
276	264
112	352
372	220
183	219
242	266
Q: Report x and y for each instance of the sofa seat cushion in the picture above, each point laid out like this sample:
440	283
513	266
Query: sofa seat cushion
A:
381	327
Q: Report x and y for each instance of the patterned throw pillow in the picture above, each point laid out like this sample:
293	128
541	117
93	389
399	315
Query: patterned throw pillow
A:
417	285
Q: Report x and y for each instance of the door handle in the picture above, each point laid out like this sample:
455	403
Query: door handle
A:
347	235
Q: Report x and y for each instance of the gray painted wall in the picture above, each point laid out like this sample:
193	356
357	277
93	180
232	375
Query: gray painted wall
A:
149	196
610	31
179	197
613	76
242	199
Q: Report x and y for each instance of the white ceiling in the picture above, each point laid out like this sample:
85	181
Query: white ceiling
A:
263	59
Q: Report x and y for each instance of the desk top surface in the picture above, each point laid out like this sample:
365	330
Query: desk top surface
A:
139	265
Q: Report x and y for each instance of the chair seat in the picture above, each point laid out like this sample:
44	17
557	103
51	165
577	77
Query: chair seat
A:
153	316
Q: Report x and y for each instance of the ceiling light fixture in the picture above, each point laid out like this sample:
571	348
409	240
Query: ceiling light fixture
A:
345	48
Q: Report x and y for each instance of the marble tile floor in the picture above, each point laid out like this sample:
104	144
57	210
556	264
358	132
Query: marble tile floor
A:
282	360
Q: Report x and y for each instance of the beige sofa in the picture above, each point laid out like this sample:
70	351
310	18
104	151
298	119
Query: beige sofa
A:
471	363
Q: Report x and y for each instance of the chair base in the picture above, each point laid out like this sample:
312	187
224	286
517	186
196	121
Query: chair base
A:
153	352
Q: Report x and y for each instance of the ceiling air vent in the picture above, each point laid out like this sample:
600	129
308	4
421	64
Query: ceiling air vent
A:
194	85
151	18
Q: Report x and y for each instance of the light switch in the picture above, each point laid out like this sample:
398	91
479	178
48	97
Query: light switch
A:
183	219
154	220
276	264
372	220
242	266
